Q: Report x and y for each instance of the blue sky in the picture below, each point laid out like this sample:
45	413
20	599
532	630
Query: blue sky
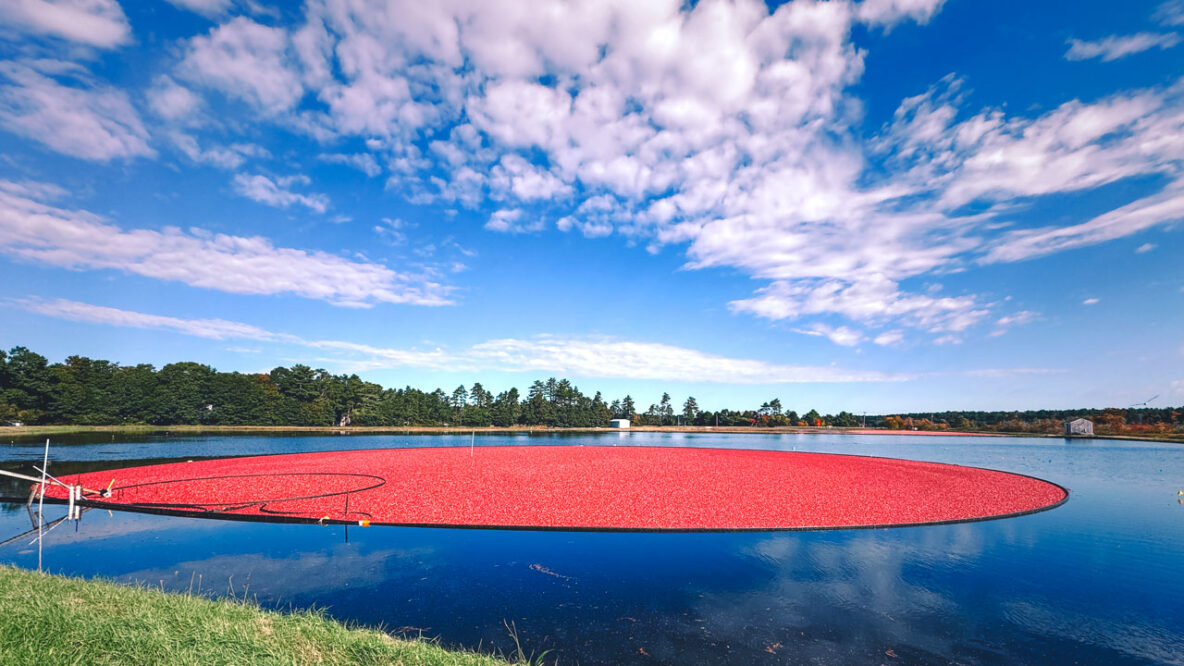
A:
887	205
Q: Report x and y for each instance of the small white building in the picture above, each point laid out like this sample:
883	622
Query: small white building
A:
619	423
1079	428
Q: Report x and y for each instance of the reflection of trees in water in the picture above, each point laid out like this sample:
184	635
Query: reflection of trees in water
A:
921	595
1009	591
282	580
13	489
6	507
402	590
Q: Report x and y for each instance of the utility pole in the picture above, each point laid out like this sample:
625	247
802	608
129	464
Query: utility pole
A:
1143	405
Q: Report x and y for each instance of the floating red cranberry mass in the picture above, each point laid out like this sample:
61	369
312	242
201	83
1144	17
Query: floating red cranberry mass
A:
574	488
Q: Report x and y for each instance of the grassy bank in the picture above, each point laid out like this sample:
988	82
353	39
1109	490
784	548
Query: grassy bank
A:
55	620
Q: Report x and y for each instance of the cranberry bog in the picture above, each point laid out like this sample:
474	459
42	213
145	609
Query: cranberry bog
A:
645	547
608	488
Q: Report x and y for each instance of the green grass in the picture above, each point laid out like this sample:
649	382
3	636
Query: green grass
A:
47	619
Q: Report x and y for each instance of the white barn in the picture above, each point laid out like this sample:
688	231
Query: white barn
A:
1079	428
618	423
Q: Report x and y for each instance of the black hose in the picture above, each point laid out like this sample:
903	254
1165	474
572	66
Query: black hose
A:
226	507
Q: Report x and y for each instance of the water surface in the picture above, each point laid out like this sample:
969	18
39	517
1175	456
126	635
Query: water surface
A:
1097	580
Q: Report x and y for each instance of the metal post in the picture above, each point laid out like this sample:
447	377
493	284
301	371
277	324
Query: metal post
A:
41	502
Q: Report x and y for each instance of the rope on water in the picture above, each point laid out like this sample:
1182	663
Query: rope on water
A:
261	503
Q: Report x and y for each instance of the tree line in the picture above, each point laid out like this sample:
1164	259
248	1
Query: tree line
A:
84	391
1108	421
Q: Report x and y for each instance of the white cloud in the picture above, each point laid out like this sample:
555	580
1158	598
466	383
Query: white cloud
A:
33	190
1021	317
595	217
1160	208
840	335
184	113
1145	247
722	127
890	12
992	160
874	299
1018	319
511	222
699	104
172	101
589	228
889	338
1170	12
999	373
87	121
218	329
242	265
225	157
645	360
278	192
1120	46
580	357
516	176
393	230
363	162
208	8
214	329
248	61
1090	301
99	23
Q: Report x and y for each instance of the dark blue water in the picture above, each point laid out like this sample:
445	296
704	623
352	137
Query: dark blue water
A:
1099	580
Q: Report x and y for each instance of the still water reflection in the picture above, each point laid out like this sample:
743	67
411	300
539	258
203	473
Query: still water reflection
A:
1098	580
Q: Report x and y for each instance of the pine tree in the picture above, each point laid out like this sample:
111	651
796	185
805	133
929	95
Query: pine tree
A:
666	410
600	412
628	409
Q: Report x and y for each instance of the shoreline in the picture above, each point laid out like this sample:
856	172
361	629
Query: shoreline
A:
51	430
58	619
443	430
